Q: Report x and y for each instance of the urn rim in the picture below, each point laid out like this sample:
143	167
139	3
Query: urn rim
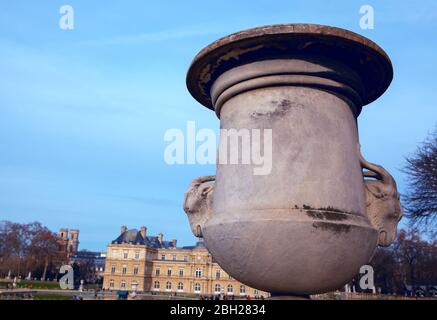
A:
362	55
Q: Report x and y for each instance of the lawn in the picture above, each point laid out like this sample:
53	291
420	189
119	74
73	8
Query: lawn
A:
33	284
43	296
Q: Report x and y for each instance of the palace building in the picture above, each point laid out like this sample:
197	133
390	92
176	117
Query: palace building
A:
138	262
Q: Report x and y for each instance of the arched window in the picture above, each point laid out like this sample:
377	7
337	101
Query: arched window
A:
156	285
198	272
242	289
180	286
217	288
123	284
168	286
197	288
230	289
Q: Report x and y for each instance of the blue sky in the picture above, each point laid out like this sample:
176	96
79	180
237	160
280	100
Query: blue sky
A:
83	112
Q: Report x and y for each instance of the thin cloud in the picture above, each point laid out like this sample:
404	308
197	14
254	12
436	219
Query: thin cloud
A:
154	201
159	36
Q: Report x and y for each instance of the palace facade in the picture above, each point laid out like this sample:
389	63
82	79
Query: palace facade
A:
138	262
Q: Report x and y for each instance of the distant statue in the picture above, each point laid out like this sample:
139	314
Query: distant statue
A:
198	202
384	209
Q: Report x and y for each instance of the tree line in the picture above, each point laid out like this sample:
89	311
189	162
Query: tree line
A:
410	262
32	248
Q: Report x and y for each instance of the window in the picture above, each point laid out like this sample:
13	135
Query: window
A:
230	289
123	284
217	288
156	285
135	269
125	254
185	258
169	271
168	286
137	255
198	273
174	257
255	291
163	257
114	253
180	286
217	274
112	269
242	289
111	283
158	271
197	288
134	285
181	272
123	270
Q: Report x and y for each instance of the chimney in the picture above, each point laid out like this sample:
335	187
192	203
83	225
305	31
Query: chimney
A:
174	242
160	237
143	231
123	229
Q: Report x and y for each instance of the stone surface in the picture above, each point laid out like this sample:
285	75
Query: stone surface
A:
198	203
383	202
362	55
309	225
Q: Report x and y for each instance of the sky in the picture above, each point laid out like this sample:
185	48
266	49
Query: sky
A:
83	112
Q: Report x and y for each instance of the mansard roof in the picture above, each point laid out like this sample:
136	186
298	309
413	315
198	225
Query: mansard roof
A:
199	245
133	236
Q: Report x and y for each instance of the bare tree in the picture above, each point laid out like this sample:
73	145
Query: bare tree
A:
421	199
28	248
44	247
410	261
13	250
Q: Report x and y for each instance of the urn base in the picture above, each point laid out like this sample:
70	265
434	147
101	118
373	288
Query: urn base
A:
291	251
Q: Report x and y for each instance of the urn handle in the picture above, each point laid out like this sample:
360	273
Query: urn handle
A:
384	209
198	203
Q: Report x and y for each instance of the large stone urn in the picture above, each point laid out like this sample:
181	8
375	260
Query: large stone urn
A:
309	224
